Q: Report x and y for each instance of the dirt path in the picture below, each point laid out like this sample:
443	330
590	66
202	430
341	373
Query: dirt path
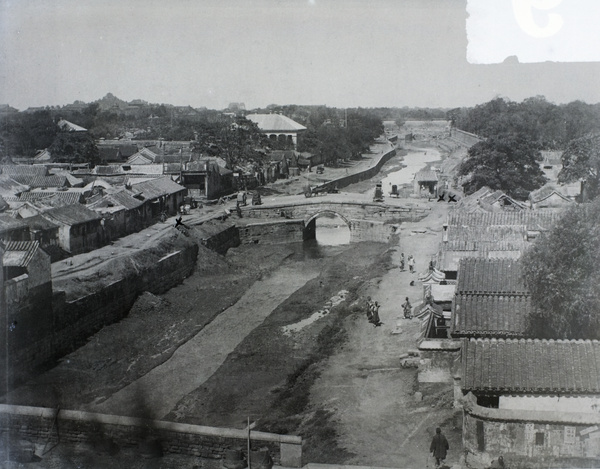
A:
157	392
363	384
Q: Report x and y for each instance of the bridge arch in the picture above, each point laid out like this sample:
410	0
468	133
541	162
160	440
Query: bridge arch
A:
310	223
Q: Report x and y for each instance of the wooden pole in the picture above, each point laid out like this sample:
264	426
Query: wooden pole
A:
249	430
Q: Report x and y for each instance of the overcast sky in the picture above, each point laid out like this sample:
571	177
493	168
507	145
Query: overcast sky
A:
342	53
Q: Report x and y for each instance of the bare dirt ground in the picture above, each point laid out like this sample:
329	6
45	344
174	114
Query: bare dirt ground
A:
311	366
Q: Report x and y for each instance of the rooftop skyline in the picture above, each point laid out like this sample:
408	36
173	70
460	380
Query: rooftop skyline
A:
379	53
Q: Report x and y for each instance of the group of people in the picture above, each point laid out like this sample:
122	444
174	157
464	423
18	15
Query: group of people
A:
411	263
373	312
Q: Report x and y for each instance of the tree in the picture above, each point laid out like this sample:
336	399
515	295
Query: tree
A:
562	271
74	147
581	161
508	163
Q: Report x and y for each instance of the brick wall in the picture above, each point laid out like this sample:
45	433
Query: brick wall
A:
35	424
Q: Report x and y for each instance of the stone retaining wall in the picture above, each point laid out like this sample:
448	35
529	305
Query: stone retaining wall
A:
38	426
276	232
68	324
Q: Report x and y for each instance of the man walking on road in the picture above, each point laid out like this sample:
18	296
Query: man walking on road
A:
439	446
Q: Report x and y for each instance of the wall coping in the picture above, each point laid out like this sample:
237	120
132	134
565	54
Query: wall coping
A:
44	412
471	407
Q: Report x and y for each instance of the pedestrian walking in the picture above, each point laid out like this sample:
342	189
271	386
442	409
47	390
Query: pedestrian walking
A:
411	264
439	447
406	306
402	262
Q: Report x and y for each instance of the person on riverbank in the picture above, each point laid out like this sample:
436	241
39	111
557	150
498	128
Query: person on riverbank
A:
439	447
375	316
411	264
407	308
369	309
402	262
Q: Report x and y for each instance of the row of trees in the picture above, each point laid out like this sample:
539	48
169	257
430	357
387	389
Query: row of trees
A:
509	159
549	125
333	134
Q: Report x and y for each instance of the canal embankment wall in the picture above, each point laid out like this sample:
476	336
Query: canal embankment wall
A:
363	175
43	426
65	322
466	139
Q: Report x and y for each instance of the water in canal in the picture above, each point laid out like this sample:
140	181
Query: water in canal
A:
413	162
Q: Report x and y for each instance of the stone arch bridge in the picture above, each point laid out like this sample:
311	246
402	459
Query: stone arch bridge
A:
367	221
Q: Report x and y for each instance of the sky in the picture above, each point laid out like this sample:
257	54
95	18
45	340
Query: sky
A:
340	53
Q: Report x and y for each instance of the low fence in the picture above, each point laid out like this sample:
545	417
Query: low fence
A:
42	425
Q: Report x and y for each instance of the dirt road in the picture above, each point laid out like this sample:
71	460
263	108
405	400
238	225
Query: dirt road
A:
363	385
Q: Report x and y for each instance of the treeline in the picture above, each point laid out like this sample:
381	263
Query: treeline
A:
334	134
548	125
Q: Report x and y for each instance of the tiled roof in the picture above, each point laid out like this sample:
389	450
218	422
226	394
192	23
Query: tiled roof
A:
490	276
426	176
139	158
531	366
484	199
23	170
39	223
123	198
41	181
8	223
71	214
531	219
157	187
64	198
478	237
448	260
67	126
10	187
275	123
490	315
19	253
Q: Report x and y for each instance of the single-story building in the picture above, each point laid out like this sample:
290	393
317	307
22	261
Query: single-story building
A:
425	183
277	127
533	401
162	194
80	229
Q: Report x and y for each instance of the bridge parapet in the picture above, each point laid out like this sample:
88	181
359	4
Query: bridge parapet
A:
310	210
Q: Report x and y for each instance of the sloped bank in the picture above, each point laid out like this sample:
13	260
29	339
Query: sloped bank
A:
96	298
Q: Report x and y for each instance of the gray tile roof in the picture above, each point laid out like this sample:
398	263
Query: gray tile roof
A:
530	219
531	366
71	214
157	187
490	315
19	253
490	276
